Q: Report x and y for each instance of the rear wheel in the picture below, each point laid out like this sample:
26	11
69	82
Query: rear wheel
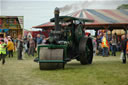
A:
86	50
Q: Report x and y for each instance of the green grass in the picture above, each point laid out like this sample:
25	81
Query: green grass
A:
103	71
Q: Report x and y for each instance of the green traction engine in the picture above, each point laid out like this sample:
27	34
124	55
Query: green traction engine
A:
65	43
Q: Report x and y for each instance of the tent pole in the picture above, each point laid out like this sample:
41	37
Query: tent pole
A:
125	29
111	32
106	28
96	32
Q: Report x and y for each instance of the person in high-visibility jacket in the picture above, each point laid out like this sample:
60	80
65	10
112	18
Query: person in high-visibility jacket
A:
105	45
3	51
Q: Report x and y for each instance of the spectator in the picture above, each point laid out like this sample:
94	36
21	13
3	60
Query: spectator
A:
127	46
39	39
118	46
26	45
98	41
20	46
105	45
123	48
10	47
114	43
6	40
3	51
94	47
31	47
14	42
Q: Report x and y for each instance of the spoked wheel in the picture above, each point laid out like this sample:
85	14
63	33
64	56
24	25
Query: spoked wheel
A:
86	50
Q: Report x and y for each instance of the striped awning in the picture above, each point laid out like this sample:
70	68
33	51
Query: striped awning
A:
100	16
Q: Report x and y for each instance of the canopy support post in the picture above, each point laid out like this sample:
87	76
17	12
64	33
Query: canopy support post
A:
96	32
111	32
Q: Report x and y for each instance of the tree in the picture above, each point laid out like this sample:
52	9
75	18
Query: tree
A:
123	6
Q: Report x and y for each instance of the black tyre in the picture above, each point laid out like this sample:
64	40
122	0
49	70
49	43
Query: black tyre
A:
86	50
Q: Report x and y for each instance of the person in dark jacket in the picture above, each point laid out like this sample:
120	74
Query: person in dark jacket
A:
123	48
99	48
20	46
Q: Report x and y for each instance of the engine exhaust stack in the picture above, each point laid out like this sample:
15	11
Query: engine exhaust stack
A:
56	13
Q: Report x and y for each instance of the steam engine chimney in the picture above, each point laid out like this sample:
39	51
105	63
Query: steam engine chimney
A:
56	13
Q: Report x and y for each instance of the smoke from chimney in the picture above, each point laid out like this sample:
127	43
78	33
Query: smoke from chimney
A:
75	6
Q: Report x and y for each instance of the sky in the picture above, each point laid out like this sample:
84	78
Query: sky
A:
0	7
37	12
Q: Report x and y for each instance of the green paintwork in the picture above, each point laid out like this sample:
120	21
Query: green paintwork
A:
51	61
69	35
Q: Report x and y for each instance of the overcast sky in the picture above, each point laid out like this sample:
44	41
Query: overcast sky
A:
36	12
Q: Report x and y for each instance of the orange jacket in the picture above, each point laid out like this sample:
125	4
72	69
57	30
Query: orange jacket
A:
127	46
104	42
10	45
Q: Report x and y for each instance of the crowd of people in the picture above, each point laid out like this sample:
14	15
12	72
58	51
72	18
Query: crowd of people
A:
8	45
103	44
108	45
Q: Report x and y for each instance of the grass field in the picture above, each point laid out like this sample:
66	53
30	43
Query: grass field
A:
103	71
